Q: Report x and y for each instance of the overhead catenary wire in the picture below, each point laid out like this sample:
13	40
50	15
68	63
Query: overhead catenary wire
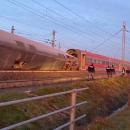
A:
29	34
105	41
19	22
79	16
91	39
25	33
54	12
97	47
48	18
40	15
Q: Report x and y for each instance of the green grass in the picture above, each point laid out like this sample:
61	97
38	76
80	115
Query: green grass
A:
120	121
103	97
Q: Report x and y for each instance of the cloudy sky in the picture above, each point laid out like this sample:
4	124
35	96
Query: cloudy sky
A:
92	25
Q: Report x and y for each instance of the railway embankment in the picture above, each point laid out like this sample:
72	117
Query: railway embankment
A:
118	120
16	79
104	97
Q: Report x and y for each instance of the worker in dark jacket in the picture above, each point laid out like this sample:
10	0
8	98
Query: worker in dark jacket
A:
109	71
113	69
91	71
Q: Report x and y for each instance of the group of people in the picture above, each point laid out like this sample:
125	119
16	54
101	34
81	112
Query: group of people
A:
110	70
125	71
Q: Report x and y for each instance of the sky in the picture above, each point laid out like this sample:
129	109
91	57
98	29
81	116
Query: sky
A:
92	25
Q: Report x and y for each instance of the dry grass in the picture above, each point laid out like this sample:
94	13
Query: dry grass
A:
104	96
120	121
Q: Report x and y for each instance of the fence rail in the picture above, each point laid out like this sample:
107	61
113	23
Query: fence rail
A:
72	107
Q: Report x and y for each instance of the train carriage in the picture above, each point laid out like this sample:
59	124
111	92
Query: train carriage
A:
101	62
17	52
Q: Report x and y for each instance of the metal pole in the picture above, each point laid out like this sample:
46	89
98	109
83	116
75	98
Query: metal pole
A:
59	45
123	43
73	110
53	38
12	29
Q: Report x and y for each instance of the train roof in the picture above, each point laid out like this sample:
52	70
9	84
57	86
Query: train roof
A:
11	39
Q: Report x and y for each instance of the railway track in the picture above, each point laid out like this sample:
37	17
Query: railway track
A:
13	79
30	75
30	71
36	82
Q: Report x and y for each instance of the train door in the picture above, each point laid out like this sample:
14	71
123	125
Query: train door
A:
83	61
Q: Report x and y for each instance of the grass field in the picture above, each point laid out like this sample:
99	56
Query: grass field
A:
120	121
103	97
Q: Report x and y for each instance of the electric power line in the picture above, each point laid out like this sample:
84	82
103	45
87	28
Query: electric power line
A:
54	12
52	20
81	17
48	18
105	41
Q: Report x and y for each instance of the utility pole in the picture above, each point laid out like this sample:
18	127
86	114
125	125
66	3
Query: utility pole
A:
59	45
53	38
123	42
12	29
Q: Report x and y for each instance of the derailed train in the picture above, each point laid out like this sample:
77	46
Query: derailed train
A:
20	53
17	52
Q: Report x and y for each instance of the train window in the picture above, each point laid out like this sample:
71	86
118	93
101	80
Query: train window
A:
100	62
94	61
32	48
90	60
20	44
107	62
87	59
103	62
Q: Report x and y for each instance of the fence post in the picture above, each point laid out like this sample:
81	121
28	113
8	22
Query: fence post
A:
73	110
129	98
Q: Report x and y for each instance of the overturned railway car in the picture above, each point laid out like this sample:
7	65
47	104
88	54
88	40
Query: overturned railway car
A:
17	52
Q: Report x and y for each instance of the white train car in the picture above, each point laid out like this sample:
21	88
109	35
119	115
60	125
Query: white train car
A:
17	52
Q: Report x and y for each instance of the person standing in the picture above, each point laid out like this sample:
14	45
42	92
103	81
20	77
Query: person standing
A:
123	71
109	71
113	69
91	71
